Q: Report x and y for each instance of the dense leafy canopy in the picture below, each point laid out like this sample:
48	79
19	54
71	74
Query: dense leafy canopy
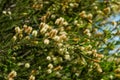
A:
59	39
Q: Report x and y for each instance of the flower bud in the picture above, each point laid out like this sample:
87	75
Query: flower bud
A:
83	14
4	12
46	41
95	7
89	16
9	12
34	33
27	37
53	33
56	38
48	58
100	12
106	10
63	37
99	69
117	70
49	71
67	57
20	36
12	74
50	66
27	65
32	77
17	29
44	28
14	38
59	21
28	30
43	18
42	24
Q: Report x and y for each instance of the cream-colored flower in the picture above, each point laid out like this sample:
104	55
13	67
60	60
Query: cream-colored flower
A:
27	37
53	33
58	74
63	37
46	41
83	14
56	38
12	74
10	78
32	77
75	22
107	10
28	30
89	16
17	29
44	28
9	12
34	33
42	24
4	12
59	21
48	58
50	66
65	23
49	71
27	65
86	31
67	57
14	38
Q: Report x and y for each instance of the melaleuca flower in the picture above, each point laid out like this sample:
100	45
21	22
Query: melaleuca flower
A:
34	33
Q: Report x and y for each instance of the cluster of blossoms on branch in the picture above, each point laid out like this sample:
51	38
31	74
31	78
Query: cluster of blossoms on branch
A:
66	40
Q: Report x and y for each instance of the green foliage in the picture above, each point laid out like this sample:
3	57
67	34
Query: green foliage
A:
57	39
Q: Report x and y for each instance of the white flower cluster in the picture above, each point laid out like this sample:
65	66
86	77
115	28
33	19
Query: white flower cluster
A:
12	74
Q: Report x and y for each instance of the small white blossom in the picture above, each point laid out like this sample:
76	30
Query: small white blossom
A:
89	34
65	23
53	16
67	57
34	33
111	77
71	5
53	33
63	37
50	66
49	71
4	12
12	74
14	38
75	22
39	67
9	12
89	16
42	25
32	77
56	38
48	58
59	21
77	74
17	29
87	31
44	28
46	41
10	78
60	44
54	58
58	74
28	30
27	65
